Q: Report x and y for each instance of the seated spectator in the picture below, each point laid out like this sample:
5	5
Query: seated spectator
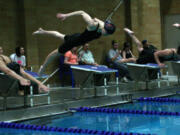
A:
19	57
16	71
126	52
1	50
86	56
70	57
118	61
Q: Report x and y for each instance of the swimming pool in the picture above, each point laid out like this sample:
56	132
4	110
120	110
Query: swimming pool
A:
115	122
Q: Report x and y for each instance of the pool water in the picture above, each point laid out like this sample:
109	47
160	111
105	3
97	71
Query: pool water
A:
136	123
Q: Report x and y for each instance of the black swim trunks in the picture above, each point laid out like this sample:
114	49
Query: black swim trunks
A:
172	57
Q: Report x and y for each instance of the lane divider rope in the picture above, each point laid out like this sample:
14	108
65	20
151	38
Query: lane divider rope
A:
65	130
126	111
151	99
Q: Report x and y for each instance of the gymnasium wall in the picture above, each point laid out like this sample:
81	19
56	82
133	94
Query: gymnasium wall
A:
8	25
168	8
146	21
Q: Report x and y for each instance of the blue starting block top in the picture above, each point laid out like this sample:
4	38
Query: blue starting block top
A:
97	69
148	65
152	64
36	75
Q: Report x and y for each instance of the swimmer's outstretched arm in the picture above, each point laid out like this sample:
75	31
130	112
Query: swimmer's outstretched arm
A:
48	60
135	39
87	18
164	52
101	23
40	84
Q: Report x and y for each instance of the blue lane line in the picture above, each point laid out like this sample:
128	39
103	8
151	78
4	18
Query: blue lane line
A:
115	110
65	130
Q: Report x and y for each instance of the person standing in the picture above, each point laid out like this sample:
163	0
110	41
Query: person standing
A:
118	62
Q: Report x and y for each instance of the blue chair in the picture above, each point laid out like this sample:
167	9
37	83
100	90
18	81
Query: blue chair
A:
65	70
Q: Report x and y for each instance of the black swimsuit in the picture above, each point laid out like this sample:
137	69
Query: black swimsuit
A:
128	54
147	55
78	39
13	66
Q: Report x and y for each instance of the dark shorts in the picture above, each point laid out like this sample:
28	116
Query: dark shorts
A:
70	41
170	58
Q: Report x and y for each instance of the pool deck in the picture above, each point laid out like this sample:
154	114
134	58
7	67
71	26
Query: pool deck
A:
63	98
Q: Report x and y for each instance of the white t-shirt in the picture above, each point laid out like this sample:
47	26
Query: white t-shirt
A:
87	56
20	60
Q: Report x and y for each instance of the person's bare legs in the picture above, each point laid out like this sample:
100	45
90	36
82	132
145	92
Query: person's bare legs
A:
57	34
134	38
128	60
51	56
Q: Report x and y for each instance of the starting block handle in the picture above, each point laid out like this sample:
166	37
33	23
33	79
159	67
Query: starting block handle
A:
105	84
48	98
31	98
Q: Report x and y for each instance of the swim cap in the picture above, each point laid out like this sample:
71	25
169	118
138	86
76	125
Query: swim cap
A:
144	42
109	27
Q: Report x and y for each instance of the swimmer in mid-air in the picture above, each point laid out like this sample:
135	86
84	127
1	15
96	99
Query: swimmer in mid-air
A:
95	29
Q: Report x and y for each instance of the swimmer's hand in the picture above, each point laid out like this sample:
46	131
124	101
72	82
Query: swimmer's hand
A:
61	16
